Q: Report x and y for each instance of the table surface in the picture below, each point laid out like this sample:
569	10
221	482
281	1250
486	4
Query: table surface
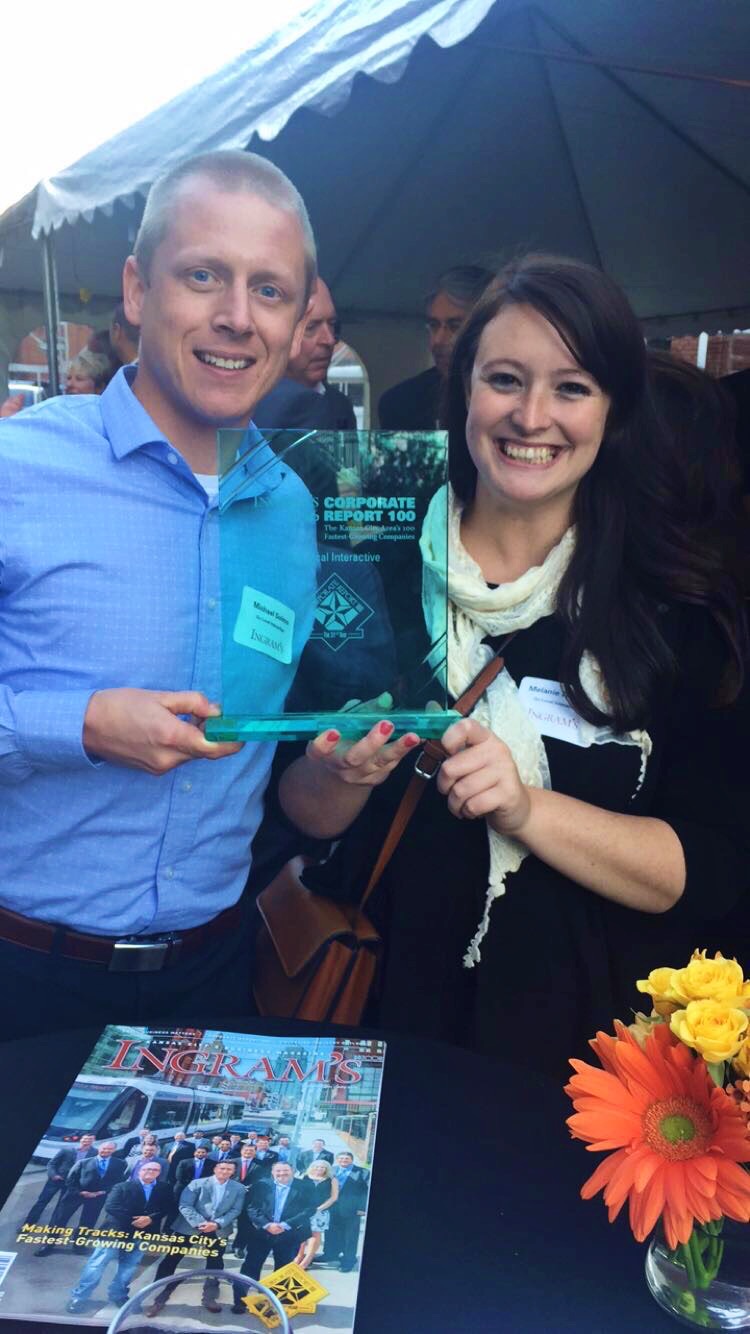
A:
475	1224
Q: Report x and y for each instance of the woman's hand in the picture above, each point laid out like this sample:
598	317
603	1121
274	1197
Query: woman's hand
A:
364	763
480	778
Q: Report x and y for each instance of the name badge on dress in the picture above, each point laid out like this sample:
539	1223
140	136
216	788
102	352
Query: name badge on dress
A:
545	703
265	624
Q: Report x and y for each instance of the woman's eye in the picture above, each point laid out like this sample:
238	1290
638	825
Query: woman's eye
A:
574	389
502	380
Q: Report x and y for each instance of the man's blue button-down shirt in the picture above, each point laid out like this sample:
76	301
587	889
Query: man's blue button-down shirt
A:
109	576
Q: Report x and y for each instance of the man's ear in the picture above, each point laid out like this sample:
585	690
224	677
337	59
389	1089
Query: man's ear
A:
133	290
299	329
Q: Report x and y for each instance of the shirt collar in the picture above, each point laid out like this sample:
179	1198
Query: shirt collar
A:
129	427
126	421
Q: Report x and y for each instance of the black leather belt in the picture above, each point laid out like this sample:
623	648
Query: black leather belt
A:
120	954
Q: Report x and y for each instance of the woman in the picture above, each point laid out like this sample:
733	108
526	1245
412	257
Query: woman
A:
326	1194
88	373
588	823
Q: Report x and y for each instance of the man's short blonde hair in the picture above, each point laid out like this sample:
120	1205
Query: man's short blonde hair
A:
231	170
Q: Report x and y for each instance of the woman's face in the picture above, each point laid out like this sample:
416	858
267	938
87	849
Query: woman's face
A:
78	383
318	1173
536	419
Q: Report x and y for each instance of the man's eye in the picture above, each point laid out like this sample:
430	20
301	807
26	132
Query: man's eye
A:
312	329
201	276
269	291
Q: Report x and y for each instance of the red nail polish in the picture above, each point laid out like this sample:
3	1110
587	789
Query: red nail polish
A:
333	736
385	729
411	741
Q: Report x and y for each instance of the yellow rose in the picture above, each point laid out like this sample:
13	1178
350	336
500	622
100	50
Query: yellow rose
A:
715	1031
717	979
659	985
741	1061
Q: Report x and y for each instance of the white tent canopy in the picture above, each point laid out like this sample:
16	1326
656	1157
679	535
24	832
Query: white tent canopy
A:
436	132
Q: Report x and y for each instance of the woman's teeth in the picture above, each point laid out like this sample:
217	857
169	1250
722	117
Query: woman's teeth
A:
528	453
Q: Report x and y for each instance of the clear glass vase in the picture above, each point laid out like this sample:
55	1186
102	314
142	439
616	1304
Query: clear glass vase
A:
705	1283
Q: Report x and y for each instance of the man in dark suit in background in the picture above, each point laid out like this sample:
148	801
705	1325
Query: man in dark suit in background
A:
414	405
223	1150
87	1186
180	1149
278	1213
318	1150
342	1236
57	1170
190	1169
322	407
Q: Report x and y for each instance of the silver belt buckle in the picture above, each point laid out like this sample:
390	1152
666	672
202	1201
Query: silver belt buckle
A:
132	954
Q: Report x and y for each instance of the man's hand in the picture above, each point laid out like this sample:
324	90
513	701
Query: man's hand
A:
142	1220
141	729
480	778
274	1229
208	1226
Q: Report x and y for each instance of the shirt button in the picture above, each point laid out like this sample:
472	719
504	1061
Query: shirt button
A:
169	873
211	604
187	785
172	457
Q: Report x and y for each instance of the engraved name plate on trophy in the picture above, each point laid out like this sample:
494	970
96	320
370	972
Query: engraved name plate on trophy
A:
321	584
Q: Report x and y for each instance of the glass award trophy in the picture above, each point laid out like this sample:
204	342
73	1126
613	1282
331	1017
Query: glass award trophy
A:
321	584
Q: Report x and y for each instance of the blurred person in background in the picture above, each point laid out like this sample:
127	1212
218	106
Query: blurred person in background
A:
303	398
88	373
123	337
414	404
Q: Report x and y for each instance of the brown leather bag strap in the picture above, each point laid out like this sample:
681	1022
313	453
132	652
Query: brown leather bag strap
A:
427	765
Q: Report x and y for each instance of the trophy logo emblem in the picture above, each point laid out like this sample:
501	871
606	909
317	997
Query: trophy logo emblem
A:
340	613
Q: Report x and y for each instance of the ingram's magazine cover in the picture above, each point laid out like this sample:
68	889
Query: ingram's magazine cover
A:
180	1150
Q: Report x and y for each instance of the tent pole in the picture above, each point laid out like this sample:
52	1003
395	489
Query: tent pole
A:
51	310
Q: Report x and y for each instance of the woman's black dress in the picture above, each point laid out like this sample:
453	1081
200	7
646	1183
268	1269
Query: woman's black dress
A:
559	961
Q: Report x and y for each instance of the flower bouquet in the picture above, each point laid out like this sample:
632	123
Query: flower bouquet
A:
671	1108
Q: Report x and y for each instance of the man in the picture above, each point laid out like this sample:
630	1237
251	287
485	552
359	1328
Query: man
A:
148	1154
248	1171
235	1144
57	1170
192	1169
181	1149
343	1233
87	1186
284	1150
195	1168
326	407
133	875
278	1212
223	1150
311	1155
264	1153
209	1208
414	405
123	337
133	1206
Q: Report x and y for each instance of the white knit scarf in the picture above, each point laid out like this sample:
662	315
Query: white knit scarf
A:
476	611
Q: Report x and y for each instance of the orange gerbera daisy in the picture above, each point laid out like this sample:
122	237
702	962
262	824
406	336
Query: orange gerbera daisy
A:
678	1139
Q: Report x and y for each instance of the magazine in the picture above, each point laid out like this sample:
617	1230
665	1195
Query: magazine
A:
180	1150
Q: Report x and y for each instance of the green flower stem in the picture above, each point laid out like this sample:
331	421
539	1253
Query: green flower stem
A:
703	1277
685	1253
